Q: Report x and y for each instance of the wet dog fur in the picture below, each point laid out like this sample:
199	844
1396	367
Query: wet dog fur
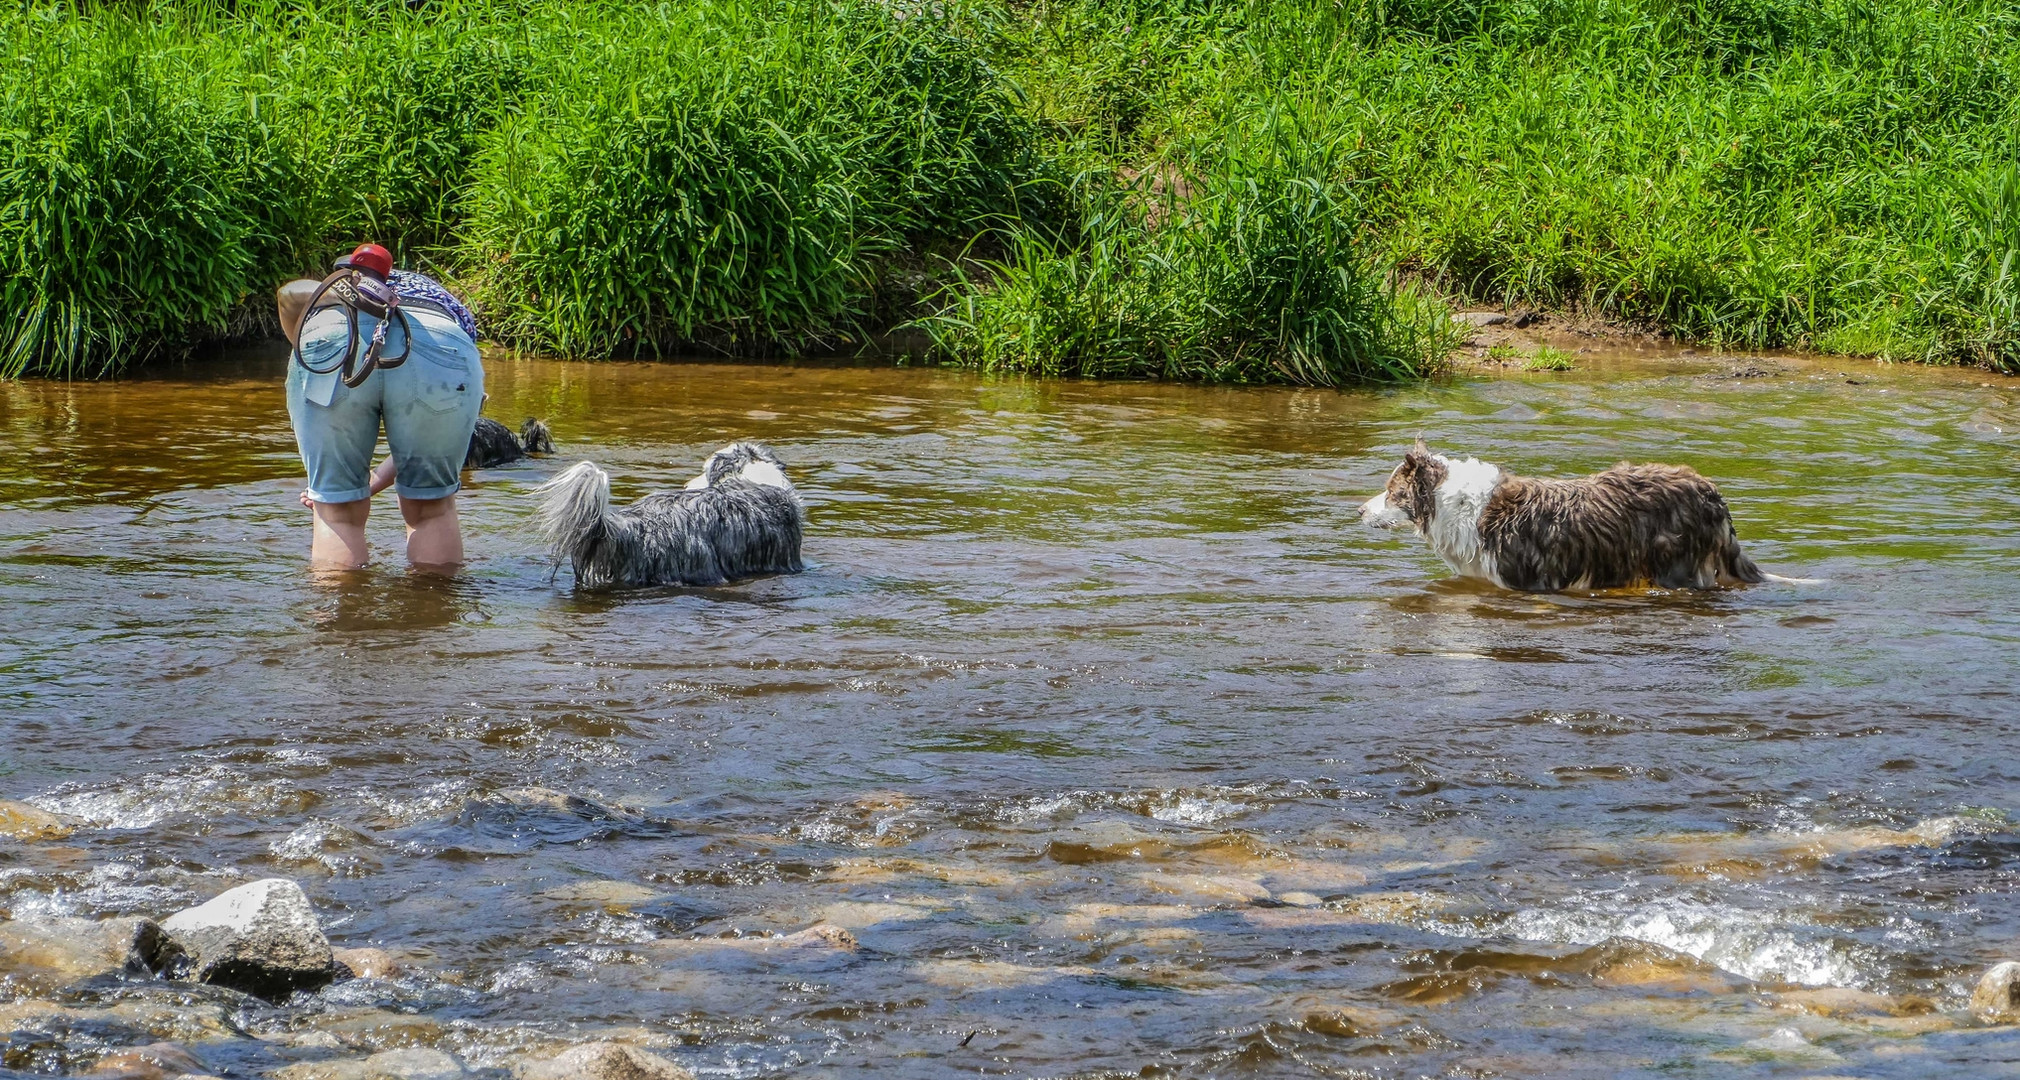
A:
740	518
1631	526
493	444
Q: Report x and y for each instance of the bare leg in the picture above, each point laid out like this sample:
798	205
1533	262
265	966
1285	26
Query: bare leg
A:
339	542
434	534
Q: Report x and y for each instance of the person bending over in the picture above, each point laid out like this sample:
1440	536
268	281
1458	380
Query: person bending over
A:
413	369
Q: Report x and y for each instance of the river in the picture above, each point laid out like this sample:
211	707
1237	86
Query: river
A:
1109	737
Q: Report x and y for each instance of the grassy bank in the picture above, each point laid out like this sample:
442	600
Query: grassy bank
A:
1828	174
601	178
1260	191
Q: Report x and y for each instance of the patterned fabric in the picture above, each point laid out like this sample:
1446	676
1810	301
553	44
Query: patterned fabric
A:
413	286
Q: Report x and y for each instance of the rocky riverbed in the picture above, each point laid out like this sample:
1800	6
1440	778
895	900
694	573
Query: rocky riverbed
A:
1096	740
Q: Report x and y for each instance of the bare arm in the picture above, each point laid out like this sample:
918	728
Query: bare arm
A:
382	477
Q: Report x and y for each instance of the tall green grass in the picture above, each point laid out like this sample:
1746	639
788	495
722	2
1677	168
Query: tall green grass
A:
739	175
1248	269
1831	174
161	172
1267	189
602	176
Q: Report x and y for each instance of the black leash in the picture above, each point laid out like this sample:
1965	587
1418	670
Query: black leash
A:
375	298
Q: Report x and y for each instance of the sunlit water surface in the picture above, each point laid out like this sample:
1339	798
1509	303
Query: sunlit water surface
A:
1115	742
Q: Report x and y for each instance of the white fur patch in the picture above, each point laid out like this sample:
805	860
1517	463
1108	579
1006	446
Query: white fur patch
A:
696	484
1376	513
764	473
1455	525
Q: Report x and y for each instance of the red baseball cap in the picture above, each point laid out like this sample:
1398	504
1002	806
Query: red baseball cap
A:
371	258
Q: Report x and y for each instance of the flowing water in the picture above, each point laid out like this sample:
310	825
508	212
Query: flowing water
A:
1111	739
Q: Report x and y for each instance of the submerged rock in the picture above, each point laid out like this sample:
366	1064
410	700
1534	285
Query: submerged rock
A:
577	805
1207	889
414	1063
260	938
817	936
1997	997
24	822
368	963
608	894
1843	1003
600	1061
1789	1042
154	1061
80	948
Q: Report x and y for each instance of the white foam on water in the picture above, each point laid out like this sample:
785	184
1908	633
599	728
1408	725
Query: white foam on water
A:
1191	810
1178	806
1753	944
107	888
1041	807
434	801
1788	1042
154	798
332	845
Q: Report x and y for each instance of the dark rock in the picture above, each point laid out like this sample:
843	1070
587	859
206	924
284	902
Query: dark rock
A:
261	938
1528	319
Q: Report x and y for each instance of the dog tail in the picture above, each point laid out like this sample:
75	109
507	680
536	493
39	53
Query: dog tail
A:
533	435
572	509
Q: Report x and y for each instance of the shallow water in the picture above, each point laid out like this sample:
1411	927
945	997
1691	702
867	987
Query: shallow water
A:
1096	719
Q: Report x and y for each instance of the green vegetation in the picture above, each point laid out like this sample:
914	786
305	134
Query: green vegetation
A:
1252	276
1269	190
1548	359
1832	174
600	177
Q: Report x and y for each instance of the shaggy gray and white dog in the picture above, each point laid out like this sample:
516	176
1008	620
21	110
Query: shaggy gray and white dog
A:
493	444
1630	526
740	518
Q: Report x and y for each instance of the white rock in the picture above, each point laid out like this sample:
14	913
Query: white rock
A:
600	1061
1480	318
1997	997
261	938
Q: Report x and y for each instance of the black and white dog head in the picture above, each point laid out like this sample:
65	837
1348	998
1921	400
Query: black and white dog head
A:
748	461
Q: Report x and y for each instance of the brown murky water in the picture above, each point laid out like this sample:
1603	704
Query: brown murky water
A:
1114	742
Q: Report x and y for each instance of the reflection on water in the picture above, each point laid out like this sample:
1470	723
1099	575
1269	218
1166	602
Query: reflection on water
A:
1098	738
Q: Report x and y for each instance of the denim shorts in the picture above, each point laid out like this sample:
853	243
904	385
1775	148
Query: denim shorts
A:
428	405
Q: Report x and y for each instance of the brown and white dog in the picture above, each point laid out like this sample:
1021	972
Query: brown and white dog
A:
1630	526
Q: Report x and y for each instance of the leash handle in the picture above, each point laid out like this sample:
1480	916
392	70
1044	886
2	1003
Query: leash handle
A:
376	298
